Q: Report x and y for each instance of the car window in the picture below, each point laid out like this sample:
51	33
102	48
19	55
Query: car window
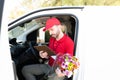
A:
33	28
21	29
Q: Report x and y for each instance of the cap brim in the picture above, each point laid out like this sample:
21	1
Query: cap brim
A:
44	29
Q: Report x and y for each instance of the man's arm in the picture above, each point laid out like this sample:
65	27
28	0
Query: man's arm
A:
69	46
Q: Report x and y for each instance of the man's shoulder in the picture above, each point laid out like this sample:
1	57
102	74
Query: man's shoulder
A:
68	39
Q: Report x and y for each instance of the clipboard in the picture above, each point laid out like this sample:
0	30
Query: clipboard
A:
45	49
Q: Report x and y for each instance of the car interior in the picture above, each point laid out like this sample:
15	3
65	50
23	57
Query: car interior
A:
29	33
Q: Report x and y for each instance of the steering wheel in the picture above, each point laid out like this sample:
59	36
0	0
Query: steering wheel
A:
33	51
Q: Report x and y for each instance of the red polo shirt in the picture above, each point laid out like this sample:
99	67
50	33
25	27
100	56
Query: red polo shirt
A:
62	46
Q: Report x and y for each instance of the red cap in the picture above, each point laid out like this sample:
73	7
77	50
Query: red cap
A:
51	22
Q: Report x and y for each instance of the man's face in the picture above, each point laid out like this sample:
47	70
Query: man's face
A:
54	31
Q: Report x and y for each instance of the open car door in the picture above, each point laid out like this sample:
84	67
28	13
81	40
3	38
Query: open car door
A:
6	64
28	28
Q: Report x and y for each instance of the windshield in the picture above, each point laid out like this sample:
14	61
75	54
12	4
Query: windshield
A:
22	29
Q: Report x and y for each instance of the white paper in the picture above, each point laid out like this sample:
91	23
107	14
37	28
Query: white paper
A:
54	57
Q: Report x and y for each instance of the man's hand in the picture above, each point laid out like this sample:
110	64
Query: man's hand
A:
43	54
59	73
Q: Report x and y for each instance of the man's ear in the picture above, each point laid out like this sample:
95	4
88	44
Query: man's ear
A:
63	28
59	26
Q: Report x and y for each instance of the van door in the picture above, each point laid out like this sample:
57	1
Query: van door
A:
6	68
30	26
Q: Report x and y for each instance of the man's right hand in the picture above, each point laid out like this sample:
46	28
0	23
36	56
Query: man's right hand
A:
43	54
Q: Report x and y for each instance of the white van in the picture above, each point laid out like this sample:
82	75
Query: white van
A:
94	30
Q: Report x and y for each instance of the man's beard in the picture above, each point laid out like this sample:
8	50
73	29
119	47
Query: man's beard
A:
54	35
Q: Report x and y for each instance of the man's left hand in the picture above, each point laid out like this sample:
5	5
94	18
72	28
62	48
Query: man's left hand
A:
59	73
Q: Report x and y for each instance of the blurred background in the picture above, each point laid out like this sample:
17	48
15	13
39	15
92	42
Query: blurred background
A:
19	7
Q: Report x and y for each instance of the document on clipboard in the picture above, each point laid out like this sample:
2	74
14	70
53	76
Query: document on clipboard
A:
45	49
54	57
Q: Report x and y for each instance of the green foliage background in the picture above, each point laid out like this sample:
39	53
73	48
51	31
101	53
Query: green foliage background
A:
29	5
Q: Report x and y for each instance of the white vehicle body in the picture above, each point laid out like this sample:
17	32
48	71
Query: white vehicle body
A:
97	46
